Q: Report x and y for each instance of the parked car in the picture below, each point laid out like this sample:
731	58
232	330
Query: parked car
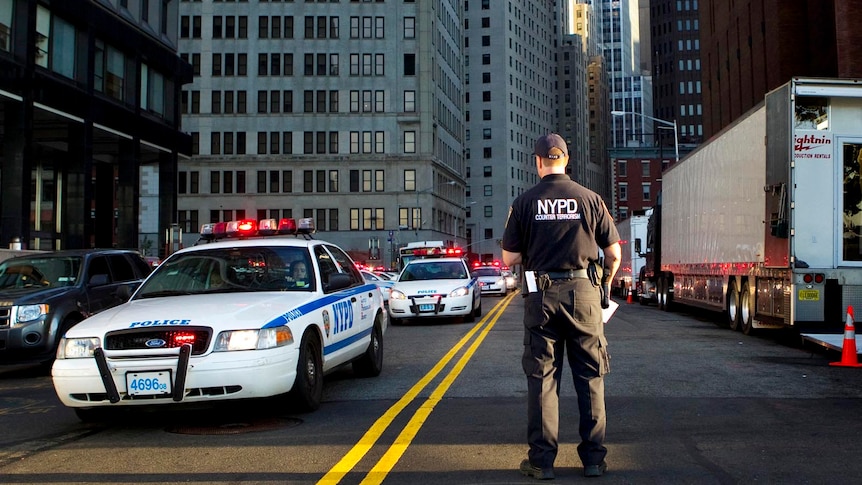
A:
241	318
384	284
42	295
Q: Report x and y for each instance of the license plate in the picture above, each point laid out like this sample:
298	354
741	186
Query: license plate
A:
428	307
148	383
809	295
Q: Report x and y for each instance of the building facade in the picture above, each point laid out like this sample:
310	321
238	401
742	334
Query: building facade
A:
347	112
89	123
753	46
676	69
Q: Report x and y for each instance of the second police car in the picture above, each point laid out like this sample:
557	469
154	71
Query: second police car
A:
231	319
433	288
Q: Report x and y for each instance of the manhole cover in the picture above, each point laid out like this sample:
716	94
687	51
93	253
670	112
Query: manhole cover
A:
238	427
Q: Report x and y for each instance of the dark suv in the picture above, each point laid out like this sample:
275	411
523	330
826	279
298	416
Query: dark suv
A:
43	294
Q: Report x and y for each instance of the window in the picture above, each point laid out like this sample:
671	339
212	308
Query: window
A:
409	27
409	101
409	142
646	191
110	67
621	166
645	168
410	180
624	191
409	64
489	190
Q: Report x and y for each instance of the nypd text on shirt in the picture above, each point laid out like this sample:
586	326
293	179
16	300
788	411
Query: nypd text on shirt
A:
557	210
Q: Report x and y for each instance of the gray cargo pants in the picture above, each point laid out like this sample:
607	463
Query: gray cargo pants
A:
565	316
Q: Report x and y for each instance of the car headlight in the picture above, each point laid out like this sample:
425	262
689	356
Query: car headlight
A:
460	291
29	313
77	348
397	295
265	338
501	282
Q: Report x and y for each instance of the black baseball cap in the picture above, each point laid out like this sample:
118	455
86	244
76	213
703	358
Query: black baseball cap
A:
551	146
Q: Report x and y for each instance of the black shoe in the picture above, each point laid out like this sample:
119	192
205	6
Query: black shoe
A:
530	470
595	470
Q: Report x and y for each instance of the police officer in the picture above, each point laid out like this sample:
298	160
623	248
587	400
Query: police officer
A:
555	230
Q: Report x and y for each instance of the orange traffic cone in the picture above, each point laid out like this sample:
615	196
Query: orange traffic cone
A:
848	348
629	299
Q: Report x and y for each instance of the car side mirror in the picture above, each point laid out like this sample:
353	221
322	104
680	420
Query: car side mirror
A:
98	280
124	292
338	281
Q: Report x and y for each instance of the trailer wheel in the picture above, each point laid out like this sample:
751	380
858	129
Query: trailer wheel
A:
732	306
660	293
746	310
665	296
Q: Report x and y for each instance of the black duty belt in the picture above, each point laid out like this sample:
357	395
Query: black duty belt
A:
565	275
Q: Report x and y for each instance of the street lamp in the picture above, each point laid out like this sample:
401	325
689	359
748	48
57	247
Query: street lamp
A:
665	122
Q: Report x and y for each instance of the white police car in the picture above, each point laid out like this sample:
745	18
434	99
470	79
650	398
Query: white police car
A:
491	280
437	287
384	284
232	319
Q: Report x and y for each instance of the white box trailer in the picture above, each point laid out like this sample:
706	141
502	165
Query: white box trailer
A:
764	221
632	241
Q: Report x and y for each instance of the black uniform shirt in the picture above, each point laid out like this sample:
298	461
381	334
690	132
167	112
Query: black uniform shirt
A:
558	225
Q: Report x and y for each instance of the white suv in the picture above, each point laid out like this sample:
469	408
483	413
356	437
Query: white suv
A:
433	288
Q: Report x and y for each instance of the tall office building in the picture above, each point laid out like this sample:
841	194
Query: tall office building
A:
89	123
348	112
583	88
510	58
677	69
630	87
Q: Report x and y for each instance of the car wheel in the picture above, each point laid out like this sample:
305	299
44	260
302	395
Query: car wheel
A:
471	317
371	362
307	390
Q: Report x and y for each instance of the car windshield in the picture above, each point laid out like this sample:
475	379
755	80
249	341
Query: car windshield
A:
229	270
449	270
487	272
45	272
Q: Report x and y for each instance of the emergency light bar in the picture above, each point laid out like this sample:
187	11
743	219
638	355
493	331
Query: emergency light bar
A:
249	228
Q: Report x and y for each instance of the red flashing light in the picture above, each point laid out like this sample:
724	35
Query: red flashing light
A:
184	338
807	277
287	226
818	278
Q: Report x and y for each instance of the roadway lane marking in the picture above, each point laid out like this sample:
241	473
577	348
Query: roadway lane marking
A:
361	448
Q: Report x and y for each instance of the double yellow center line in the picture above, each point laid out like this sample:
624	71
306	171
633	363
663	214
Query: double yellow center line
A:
388	461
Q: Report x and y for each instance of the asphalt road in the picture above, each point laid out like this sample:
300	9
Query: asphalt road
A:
688	402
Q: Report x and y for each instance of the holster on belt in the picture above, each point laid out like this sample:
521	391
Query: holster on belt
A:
543	282
594	272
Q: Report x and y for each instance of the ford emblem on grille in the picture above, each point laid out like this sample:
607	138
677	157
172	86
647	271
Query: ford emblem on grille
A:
155	342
